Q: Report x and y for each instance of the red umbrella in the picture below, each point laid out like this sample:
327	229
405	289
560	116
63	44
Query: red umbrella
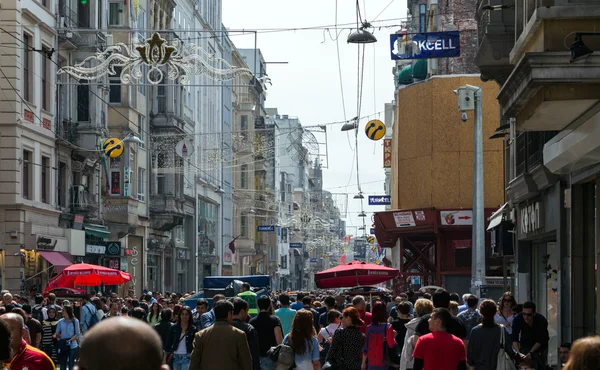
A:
83	274
353	274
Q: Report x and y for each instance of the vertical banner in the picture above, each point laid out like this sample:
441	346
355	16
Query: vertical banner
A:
387	153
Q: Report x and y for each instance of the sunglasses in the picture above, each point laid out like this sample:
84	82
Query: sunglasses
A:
526	314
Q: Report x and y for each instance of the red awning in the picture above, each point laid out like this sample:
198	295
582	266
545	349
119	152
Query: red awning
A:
56	259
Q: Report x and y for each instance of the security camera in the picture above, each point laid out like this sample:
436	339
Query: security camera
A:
464	117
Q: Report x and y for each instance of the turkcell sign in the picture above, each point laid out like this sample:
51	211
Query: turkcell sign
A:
265	228
425	45
296	245
380	200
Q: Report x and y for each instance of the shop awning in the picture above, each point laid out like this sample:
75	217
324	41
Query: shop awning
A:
390	225
497	217
98	231
405	77
419	69
56	259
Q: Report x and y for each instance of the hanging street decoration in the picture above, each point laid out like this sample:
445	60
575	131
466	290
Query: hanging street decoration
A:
113	147
375	129
181	60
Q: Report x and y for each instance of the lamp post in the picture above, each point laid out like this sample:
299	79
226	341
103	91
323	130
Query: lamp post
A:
305	219
469	99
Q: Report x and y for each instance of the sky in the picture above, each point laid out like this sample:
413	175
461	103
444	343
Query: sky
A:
309	87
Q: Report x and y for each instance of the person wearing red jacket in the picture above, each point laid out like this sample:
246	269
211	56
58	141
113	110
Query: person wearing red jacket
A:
358	302
24	355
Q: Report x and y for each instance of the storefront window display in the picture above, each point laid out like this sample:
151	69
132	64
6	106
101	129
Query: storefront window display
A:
546	272
208	227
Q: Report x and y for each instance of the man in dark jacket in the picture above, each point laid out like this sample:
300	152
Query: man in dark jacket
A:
240	314
164	326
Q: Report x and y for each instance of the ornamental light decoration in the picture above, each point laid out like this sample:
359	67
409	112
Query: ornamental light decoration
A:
180	59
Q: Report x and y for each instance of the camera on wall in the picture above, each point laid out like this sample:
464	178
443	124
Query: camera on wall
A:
466	101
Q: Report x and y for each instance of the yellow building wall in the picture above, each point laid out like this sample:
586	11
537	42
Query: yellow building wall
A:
432	161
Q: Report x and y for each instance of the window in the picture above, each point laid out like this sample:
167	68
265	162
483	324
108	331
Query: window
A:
83	101
26	167
45	83
160	174
244	226
115	14
161	97
115	176
140	184
26	68
114	96
283	262
142	129
244	126
244	182
45	180
271	253
422	18
62	184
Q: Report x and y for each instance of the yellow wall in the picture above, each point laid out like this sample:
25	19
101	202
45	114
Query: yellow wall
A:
432	162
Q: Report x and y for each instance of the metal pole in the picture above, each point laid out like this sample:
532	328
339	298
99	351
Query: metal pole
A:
478	236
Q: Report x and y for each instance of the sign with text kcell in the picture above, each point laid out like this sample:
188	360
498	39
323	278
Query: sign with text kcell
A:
425	45
265	228
380	200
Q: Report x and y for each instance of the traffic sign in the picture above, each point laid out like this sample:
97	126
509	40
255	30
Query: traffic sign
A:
375	129
372	230
184	148
113	147
265	228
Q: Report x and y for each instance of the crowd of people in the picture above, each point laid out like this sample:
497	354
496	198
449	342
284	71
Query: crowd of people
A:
281	332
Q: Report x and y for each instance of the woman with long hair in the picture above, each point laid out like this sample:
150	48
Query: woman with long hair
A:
585	354
505	314
181	340
67	333
422	307
48	329
346	348
176	310
303	340
154	314
484	340
377	334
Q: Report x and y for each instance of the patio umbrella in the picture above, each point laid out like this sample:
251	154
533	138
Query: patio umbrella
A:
354	273
83	274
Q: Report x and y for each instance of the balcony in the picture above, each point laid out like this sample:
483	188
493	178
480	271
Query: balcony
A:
121	214
82	201
166	211
496	30
67	131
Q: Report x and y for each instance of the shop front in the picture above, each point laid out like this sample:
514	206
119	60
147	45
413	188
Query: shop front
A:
539	266
103	253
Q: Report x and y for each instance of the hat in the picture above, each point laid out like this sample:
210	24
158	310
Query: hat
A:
149	293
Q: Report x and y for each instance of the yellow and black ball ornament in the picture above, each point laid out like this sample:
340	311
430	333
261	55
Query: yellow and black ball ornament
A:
375	130
113	147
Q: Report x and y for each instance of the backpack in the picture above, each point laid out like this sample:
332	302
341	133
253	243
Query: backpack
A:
326	346
504	361
37	313
93	319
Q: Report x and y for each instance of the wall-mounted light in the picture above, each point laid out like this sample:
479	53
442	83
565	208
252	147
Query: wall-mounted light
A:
579	50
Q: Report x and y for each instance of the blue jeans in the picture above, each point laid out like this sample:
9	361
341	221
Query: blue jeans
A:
266	363
181	362
69	359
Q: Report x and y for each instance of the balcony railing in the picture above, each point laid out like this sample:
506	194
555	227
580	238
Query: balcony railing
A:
67	130
82	199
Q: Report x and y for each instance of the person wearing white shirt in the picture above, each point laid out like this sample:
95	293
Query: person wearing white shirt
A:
325	337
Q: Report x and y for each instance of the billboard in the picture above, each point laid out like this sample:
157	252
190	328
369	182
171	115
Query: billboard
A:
425	45
387	153
360	248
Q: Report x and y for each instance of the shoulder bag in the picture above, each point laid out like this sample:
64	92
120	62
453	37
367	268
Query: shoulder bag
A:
390	355
172	351
504	361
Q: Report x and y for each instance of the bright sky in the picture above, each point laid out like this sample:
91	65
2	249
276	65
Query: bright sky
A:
309	85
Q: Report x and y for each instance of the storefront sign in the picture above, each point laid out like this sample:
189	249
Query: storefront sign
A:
380	200
387	153
425	45
265	228
296	245
114	263
46	244
133	262
531	218
404	219
456	218
104	248
462	244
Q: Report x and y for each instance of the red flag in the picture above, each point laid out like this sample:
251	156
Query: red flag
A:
343	258
232	244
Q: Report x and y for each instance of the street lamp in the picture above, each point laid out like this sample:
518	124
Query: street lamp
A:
305	219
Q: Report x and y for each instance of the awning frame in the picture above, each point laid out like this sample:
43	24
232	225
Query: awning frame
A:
498	217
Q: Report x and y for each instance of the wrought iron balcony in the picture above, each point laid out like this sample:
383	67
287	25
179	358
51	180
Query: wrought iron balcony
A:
82	200
166	211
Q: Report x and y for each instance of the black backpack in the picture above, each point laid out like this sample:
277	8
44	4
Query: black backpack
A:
326	345
37	313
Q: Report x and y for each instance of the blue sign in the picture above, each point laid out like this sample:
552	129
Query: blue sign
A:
372	231
296	245
314	260
425	45
265	228
380	200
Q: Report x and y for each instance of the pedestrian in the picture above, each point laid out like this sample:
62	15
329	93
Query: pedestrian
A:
471	317
48	329
563	353
379	334
201	309
153	317
329	306
240	314
121	344
530	336
208	319
88	310
35	327
303	341
221	346
249	296
422	307
181	340
399	324
285	313
163	328
505	314
346	347
269	331
325	336
23	356
67	334
441	299
359	303
439	350
485	338
585	354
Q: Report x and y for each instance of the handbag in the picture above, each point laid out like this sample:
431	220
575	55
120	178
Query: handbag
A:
504	362
390	355
170	354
